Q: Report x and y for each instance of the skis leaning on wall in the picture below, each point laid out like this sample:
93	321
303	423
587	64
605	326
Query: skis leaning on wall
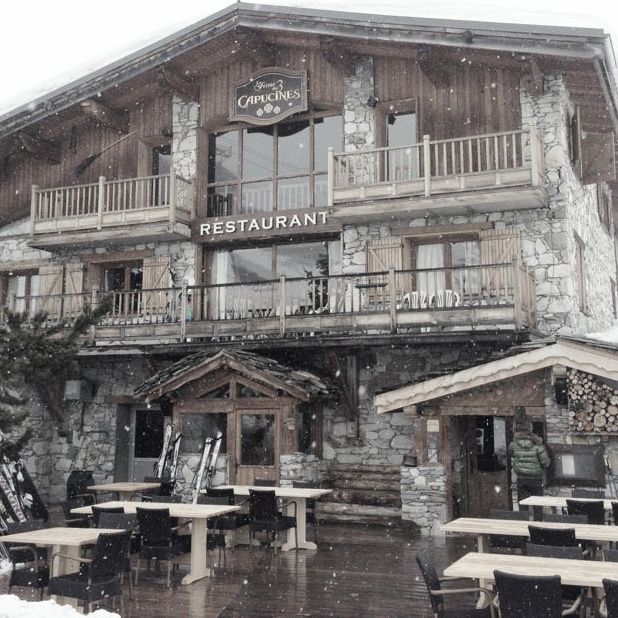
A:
208	461
159	467
8	492
175	448
212	464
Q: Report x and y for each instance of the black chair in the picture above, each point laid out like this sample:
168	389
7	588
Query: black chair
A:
591	494
175	499
30	567
264	483
98	510
159	540
167	485
232	521
609	605
558	537
78	482
573	595
99	577
310	505
615	512
76	520
264	516
505	541
522	596
594	510
565	519
122	521
437	594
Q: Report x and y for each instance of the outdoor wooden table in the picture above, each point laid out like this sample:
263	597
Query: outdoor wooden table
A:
557	502
297	495
125	491
61	540
585	573
197	513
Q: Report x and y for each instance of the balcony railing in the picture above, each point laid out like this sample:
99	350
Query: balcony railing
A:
495	296
433	167
109	203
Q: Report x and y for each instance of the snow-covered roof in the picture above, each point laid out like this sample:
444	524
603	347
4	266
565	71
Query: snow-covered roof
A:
517	38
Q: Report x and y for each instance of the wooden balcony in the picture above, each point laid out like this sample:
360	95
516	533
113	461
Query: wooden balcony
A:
495	171
445	300
112	211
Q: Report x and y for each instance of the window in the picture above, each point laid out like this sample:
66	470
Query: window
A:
19	291
401	133
575	141
278	167
122	277
580	272
197	427
149	428
604	203
161	160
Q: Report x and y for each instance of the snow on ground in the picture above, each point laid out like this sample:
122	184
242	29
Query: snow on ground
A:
12	606
607	336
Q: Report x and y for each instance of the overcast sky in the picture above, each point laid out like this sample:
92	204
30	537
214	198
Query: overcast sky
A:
44	44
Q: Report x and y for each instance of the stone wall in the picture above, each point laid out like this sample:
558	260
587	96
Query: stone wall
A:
188	463
185	121
301	467
358	117
423	497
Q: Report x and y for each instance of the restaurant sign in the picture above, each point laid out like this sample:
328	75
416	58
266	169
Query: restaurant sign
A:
269	96
264	224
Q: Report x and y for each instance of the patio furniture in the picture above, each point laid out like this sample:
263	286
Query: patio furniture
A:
99	577
525	596
75	520
609	604
311	504
127	490
30	567
437	594
264	483
77	486
558	502
558	537
98	510
594	509
166	485
230	522
505	541
590	494
217	539
565	519
159	540
264	516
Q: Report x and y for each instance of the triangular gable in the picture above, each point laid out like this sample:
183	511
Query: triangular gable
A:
578	355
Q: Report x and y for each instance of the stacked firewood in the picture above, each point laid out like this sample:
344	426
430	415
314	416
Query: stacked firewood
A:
593	406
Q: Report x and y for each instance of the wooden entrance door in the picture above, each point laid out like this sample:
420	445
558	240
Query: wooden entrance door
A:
257	445
484	473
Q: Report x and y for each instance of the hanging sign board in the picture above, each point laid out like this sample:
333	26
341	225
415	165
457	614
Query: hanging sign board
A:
269	96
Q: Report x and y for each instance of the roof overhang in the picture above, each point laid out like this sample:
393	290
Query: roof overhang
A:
582	43
576	354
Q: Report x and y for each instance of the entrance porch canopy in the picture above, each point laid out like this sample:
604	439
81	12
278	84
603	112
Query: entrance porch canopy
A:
301	385
587	355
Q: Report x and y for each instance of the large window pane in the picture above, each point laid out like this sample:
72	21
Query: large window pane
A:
257	440
243	265
293	193
303	260
327	133
221	200
257	153
223	157
149	425
197	427
293	146
257	197
320	191
465	280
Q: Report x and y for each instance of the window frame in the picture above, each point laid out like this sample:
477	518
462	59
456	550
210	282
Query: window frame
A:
604	205
580	267
240	128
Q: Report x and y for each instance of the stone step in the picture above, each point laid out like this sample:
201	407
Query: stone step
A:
358	513
377	498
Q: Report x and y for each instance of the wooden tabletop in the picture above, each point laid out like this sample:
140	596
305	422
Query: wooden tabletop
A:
585	532
280	492
73	537
176	509
127	487
560	501
572	572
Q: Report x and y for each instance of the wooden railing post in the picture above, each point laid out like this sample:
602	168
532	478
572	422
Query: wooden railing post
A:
183	310
392	299
517	293
33	208
282	305
172	197
331	175
427	165
101	202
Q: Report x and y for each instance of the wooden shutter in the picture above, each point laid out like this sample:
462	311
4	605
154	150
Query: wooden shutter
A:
499	246
157	277
382	255
50	289
73	288
598	162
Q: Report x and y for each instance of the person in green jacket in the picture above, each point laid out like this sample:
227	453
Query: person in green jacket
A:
529	460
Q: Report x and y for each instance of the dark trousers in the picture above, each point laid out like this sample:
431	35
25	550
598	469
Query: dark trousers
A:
530	487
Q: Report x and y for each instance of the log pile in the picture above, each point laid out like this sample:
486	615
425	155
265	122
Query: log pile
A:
593	405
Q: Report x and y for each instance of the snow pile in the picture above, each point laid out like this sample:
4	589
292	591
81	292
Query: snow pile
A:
12	606
609	336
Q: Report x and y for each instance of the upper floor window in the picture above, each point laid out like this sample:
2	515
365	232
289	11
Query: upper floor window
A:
278	167
604	202
580	272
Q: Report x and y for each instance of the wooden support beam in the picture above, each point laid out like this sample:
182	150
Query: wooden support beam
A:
338	56
102	114
179	84
39	148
